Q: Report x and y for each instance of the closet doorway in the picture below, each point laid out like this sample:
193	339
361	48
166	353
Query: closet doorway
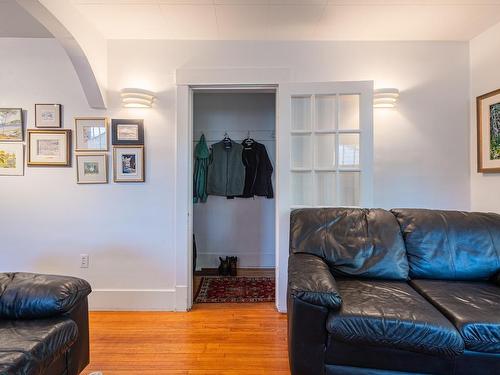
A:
233	220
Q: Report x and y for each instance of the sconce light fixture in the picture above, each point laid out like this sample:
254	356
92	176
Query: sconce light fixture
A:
137	98
385	98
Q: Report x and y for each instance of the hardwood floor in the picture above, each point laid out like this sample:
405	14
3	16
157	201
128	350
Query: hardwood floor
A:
225	339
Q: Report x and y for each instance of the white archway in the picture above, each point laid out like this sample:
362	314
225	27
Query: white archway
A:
92	72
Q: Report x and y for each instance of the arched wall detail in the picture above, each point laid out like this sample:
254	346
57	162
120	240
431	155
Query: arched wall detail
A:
92	74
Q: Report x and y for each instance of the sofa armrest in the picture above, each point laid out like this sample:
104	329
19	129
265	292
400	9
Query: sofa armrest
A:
30	296
310	280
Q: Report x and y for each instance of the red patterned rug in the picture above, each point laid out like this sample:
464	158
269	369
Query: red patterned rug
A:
220	289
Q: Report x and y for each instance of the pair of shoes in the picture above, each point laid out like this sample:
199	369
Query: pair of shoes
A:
228	266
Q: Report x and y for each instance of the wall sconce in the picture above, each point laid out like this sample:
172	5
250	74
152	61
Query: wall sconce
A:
137	98
385	98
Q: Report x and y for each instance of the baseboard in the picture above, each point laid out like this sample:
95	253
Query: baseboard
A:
132	300
247	260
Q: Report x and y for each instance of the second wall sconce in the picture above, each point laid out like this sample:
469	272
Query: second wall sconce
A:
137	98
385	98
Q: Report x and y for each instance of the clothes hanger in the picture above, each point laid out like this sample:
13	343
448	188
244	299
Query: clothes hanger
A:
248	141
227	141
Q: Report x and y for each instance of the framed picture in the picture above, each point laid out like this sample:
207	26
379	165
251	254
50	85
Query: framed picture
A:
91	134
92	169
47	115
49	147
11	125
128	163
11	159
127	132
488	132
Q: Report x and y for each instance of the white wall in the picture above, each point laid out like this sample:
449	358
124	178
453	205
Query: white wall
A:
242	227
484	78
421	150
47	220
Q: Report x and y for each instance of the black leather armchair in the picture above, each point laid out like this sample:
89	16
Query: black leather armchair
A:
43	324
393	292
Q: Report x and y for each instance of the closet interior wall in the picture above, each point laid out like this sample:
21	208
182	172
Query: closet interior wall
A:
235	227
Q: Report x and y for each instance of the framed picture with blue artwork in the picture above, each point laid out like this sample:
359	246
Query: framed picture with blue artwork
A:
128	163
488	132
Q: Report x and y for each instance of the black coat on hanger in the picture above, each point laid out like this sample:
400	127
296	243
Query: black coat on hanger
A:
258	170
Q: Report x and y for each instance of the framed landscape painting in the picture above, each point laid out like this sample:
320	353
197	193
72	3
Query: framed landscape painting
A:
488	132
11	159
47	115
92	169
11	125
128	164
127	132
49	148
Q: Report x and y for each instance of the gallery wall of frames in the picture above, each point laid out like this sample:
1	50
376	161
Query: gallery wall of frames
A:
48	144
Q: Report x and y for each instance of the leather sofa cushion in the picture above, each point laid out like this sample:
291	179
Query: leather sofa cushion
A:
473	307
28	347
29	295
391	314
450	245
354	242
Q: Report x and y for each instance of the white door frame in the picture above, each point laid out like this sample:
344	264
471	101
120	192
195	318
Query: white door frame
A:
186	79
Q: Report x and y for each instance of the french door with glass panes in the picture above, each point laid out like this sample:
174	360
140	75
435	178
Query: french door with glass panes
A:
330	144
325	151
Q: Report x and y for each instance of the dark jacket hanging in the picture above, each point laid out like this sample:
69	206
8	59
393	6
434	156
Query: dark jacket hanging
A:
226	172
258	171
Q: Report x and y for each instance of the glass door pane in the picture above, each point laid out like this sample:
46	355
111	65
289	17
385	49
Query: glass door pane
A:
301	152
348	150
302	188
324	151
326	112
348	190
301	113
349	112
325	188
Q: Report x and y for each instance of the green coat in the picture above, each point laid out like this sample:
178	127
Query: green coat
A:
201	155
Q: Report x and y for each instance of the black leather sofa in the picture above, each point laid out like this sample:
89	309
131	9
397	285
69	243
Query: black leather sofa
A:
43	324
405	291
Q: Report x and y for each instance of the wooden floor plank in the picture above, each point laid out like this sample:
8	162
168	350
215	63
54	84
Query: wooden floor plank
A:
222	339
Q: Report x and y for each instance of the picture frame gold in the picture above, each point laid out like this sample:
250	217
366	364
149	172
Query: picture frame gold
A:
78	143
118	175
63	162
488	145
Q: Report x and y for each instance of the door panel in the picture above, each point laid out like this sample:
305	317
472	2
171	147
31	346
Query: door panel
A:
325	153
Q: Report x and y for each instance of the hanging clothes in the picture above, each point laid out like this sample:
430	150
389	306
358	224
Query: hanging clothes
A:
226	172
258	170
201	154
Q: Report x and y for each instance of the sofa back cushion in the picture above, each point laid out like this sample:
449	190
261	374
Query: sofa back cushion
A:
450	245
352	241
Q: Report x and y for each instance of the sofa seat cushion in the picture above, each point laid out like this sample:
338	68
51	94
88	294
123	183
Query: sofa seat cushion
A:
28	347
473	307
391	314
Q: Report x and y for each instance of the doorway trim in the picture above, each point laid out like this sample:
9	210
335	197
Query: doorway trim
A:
186	80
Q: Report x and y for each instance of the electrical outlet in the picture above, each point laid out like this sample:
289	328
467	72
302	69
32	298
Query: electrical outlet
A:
84	260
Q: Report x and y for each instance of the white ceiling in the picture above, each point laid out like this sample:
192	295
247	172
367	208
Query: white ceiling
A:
15	22
291	19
